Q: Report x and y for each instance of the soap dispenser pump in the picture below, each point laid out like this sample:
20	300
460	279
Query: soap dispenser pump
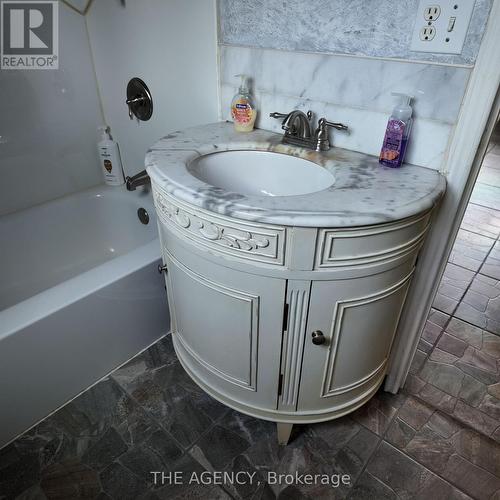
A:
397	132
243	110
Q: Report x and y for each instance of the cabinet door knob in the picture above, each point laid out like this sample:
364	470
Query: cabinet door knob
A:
162	269
318	338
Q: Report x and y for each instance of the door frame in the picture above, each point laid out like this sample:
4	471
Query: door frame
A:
477	118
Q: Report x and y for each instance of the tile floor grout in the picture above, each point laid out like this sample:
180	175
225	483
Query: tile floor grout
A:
422	463
435	345
185	450
379	444
150	415
413	458
451	315
382	439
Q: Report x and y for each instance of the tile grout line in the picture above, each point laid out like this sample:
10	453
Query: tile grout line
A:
152	417
185	450
451	415
435	410
452	314
443	330
383	440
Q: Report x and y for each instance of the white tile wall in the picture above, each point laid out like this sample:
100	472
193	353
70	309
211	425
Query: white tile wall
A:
48	127
172	46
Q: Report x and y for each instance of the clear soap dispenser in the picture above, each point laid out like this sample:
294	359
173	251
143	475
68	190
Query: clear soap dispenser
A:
243	109
397	133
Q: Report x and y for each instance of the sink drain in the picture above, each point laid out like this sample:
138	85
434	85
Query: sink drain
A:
143	215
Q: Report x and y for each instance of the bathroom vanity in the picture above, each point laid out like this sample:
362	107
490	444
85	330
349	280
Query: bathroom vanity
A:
286	269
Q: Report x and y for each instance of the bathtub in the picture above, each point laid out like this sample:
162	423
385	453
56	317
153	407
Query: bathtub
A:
80	294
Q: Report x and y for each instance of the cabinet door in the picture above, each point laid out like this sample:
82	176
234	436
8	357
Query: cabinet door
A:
227	328
358	318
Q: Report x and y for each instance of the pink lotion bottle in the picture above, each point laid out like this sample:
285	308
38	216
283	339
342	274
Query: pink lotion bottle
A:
397	133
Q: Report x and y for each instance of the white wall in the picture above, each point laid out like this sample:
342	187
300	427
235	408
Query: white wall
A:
172	46
48	124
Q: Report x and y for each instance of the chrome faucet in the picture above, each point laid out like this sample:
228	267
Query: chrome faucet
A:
299	132
137	180
296	123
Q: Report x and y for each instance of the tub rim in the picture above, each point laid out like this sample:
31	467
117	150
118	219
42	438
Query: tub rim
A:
57	297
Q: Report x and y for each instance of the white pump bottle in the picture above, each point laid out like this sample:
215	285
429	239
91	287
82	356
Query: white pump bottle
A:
109	156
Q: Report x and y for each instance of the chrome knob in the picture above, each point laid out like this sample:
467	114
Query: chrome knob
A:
317	337
162	269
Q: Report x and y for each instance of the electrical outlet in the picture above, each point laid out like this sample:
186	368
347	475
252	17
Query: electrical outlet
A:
427	33
441	27
432	12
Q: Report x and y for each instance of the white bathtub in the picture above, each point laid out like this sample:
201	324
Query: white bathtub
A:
79	294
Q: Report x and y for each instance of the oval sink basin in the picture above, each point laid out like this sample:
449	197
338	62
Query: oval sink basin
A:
261	173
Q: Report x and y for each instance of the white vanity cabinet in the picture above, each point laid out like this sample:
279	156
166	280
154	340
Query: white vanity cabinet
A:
290	324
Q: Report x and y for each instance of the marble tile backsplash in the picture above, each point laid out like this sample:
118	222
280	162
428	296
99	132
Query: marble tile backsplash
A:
353	90
379	28
349	81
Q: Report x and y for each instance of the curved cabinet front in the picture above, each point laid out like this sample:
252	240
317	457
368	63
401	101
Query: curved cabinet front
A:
358	320
226	327
283	323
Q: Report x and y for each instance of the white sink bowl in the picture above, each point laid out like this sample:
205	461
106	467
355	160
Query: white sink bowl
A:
261	173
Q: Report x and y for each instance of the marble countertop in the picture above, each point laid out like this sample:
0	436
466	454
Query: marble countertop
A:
364	192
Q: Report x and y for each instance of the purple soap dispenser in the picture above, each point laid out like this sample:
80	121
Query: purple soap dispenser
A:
397	133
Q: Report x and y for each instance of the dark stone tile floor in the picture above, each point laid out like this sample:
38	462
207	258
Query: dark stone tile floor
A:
149	416
457	364
438	439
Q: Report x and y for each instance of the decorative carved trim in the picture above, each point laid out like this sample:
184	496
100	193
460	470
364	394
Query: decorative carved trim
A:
260	243
243	241
298	303
325	248
253	301
337	324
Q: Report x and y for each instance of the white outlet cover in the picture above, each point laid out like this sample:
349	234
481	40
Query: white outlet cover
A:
461	10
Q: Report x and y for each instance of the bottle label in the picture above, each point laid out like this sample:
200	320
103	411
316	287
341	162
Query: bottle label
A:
241	111
108	165
392	148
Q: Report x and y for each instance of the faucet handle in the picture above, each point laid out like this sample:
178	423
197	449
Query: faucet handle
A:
278	115
323	123
321	134
275	114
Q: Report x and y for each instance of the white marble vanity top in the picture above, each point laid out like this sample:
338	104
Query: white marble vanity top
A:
363	193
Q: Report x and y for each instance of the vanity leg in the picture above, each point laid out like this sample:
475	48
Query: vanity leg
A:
284	431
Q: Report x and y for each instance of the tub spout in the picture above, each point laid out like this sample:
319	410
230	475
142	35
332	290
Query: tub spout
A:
137	180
